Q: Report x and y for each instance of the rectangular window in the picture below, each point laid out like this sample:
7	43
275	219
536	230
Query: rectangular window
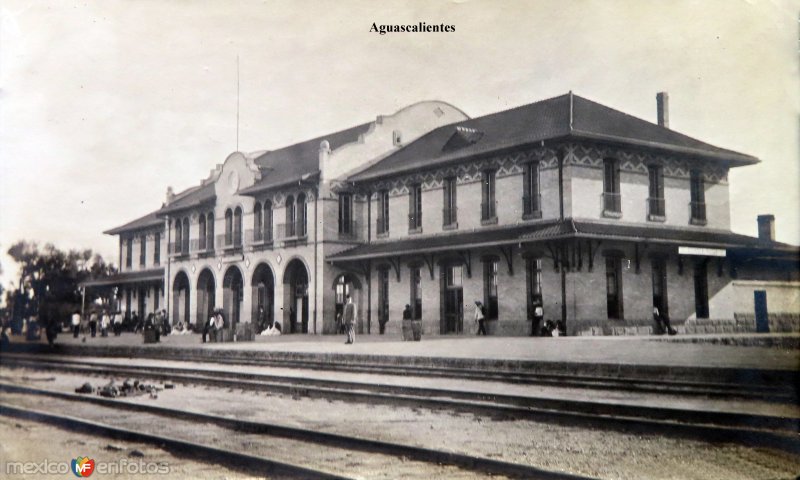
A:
383	295
490	288
614	287
701	289
450	211
531	197
488	206
346	213
655	201
129	253
143	250
697	192
415	208
454	275
383	213
416	293
157	249
612	201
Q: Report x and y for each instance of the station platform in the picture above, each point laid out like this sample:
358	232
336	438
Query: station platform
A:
773	352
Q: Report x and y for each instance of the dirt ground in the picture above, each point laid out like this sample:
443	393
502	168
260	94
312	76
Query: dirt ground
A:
591	452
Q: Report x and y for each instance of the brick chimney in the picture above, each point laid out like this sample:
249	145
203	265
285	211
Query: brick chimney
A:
170	195
662	104
766	227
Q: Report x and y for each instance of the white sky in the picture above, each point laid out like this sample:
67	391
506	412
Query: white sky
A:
106	103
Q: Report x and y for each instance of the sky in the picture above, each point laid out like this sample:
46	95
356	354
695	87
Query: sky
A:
104	104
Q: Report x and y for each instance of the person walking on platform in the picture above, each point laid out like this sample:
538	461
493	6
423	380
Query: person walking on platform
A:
538	316
480	318
349	318
93	323
76	324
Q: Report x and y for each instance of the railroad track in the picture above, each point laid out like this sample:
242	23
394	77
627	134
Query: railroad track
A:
784	393
750	429
195	438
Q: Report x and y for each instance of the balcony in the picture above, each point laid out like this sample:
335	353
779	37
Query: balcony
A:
450	218
229	241
415	222
203	245
489	212
348	231
178	249
382	226
260	237
531	206
656	209
292	231
698	213
612	205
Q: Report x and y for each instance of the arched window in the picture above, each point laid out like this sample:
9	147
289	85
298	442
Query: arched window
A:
237	227
176	247
185	244
202	237
228	227
210	231
267	221
258	228
290	226
301	215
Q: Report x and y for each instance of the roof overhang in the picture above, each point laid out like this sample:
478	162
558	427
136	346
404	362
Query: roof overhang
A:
263	187
154	275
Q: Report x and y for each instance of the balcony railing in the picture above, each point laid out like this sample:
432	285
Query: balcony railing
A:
203	245
178	248
655	207
449	216
488	210
259	237
291	231
382	225
612	202
532	205
415	221
348	230
229	240
698	212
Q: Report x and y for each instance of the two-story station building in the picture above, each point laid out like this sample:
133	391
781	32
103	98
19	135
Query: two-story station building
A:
595	214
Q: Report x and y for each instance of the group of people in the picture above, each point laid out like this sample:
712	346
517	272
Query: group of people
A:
102	321
267	327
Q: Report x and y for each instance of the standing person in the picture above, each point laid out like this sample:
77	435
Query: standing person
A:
93	323
219	325
349	318
407	312
538	316
208	328
261	317
662	323
479	318
104	324
76	324
117	320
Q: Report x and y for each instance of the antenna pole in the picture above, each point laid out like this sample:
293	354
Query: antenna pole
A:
237	103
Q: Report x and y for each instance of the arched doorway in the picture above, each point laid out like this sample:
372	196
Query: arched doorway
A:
232	296
344	285
180	298
263	297
206	291
295	311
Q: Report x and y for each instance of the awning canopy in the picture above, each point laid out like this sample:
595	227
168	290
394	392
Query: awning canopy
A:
155	275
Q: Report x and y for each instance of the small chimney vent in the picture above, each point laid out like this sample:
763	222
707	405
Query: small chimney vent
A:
662	103
766	227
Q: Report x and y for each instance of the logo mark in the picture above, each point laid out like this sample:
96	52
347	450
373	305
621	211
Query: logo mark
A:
83	466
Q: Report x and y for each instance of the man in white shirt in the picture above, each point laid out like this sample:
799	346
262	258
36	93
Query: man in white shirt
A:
76	324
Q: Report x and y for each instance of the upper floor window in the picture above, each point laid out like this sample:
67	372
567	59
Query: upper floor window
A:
531	197
237	227
258	223
382	226
157	249
267	221
655	201
129	253
450	211
185	239
488	203
228	227
697	191
210	231
415	208
302	216
176	247
612	200
143	251
203	233
290	211
346	226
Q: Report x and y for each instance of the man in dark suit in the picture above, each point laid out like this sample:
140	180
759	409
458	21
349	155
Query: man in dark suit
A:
349	319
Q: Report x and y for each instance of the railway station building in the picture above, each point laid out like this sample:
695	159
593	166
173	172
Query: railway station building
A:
595	214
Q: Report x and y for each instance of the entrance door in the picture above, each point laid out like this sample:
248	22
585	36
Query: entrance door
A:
452	300
762	315
660	287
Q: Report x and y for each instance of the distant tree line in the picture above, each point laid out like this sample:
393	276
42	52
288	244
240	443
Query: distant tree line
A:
49	283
